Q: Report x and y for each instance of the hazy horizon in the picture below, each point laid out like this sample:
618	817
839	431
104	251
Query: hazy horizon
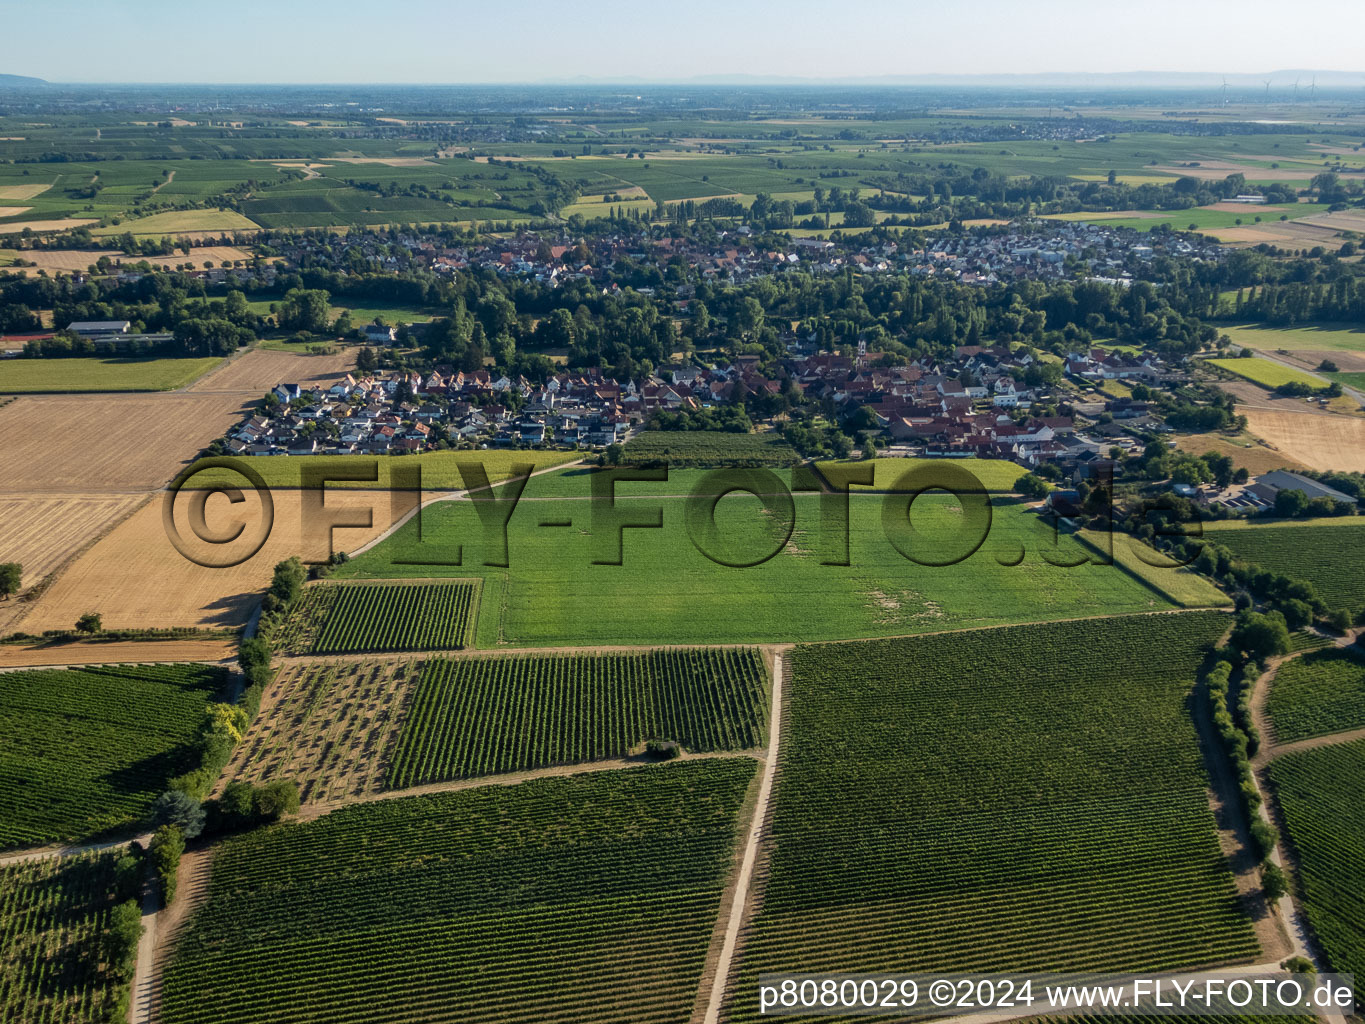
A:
344	42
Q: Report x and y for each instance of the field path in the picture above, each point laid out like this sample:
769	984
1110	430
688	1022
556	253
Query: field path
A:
757	827
312	811
1260	717
48	852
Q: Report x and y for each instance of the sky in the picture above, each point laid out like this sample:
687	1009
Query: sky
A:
455	41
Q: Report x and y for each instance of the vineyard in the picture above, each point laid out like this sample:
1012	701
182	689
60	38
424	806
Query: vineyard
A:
1318	693
52	917
1321	795
557	900
1019	799
335	618
1330	554
87	750
329	727
684	448
478	716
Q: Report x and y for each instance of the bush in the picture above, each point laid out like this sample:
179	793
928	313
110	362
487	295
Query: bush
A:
90	622
1265	836
663	750
121	938
275	799
167	846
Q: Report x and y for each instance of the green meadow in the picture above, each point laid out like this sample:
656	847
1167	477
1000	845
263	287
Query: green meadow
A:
97	374
559	586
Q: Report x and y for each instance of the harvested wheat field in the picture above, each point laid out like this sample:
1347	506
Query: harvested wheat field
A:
1318	440
41	531
115	652
22	191
329	726
1256	458
71	261
13	211
259	370
136	578
112	443
62	224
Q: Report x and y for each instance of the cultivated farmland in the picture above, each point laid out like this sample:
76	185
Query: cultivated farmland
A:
1328	553
556	900
348	618
1321	692
42	530
106	442
87	750
1318	440
1267	373
53	914
329	727
259	370
107	577
1015	799
684	448
100	374
480	716
1321	794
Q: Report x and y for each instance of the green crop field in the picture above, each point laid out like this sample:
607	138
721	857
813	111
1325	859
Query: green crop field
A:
100	374
1001	800
1321	794
439	470
556	900
666	590
1307	338
87	750
689	448
478	716
351	618
362	313
990	474
53	913
1348	380
1328	553
1266	373
1321	692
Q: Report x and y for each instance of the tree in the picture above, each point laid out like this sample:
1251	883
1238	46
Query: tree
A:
1032	487
276	799
11	575
1290	504
1261	636
121	937
366	361
90	622
304	309
1274	883
177	808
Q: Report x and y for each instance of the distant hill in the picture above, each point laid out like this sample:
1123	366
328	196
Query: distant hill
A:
19	82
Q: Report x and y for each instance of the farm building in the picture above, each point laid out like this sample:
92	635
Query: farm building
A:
1269	485
97	328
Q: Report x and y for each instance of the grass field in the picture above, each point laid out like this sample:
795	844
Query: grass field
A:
557	900
391	313
439	470
1266	373
1321	794
1348	380
53	914
479	716
88	750
990	474
666	590
97	374
1307	338
1022	799
332	618
176	221
1328	553
1319	693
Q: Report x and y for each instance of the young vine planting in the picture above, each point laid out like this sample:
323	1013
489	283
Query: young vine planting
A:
1027	798
478	716
335	618
590	898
